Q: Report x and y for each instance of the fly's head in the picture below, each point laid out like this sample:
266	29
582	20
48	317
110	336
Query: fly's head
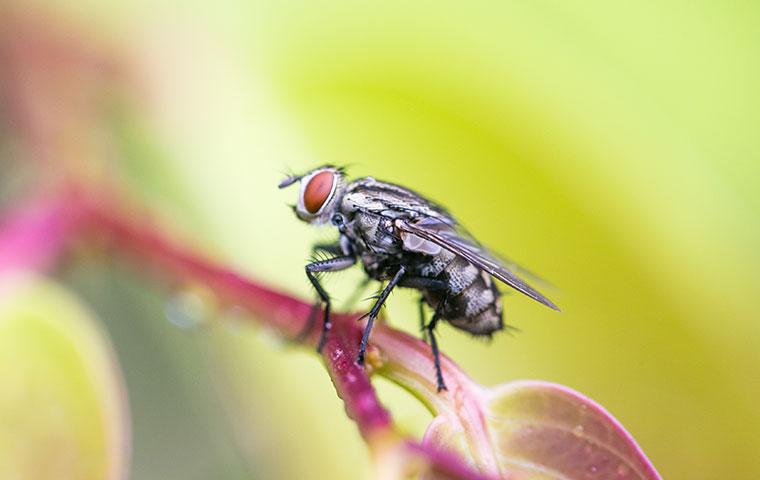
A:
319	195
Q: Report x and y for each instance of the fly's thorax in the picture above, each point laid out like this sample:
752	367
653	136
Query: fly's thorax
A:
358	200
371	233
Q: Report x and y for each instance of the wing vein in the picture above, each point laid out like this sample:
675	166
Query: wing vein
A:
475	255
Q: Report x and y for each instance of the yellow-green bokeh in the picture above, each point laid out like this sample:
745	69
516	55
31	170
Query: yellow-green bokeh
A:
610	147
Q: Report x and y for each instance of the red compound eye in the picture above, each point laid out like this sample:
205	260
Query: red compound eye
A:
317	191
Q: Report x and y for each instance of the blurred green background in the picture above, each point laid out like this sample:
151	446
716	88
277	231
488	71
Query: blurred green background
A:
611	147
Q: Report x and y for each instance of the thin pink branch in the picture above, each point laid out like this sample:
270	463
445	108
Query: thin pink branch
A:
288	315
351	381
35	237
362	404
446	464
283	312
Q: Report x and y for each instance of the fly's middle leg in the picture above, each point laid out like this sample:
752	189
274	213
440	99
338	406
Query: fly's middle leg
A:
329	265
375	310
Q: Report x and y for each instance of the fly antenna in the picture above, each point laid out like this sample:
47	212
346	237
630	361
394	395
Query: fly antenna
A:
290	180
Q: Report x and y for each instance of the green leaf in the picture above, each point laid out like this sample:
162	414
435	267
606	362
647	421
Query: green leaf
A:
63	411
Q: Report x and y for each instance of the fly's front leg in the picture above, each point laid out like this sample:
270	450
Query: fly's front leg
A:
331	248
335	250
375	310
329	265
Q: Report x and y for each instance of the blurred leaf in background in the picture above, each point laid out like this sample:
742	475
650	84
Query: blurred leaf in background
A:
63	409
610	147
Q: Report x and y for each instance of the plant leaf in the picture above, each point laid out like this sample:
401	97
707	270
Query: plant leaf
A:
62	405
543	430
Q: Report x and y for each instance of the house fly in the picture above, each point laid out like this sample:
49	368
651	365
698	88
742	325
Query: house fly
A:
406	240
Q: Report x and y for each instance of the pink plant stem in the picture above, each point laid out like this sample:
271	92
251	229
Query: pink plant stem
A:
285	313
446	463
351	381
32	238
35	237
288	315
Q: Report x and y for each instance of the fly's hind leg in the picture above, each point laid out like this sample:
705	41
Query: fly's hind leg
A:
423	330
434	345
329	265
423	283
430	284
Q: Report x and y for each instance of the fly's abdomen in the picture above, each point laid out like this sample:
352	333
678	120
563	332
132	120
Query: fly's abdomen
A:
473	301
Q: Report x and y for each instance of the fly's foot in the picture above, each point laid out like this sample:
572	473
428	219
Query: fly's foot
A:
441	384
323	337
371	316
361	356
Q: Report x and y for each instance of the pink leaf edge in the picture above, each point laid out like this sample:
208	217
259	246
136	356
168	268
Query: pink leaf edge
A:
552	430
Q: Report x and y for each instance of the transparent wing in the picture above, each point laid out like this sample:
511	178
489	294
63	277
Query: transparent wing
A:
443	234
